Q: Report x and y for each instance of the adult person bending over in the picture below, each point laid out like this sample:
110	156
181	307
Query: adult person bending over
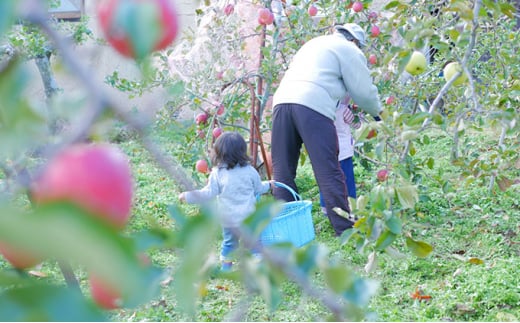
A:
320	75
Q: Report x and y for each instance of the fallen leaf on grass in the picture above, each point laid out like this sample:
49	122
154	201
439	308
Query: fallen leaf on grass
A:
457	272
419	295
475	261
37	273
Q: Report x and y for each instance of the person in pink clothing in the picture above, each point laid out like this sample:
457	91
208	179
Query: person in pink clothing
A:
346	119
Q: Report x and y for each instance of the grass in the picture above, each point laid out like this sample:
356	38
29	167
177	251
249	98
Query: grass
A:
466	223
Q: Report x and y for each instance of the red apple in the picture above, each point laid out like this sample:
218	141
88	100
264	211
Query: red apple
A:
313	11
217	132
357	6
118	19
371	134
201	118
382	175
375	31
220	109
372	16
372	59
202	166
228	9
390	100
96	177
265	16
201	134
17	258
220	75
103	294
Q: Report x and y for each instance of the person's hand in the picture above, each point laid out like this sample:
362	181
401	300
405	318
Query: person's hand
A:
182	197
350	118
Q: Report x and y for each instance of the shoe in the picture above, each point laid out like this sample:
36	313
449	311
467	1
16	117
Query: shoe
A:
226	266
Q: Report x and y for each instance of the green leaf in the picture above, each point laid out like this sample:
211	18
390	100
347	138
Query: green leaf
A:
407	195
309	256
394	224
361	291
338	277
420	249
385	240
63	231
47	304
378	198
392	4
20	123
6	15
197	234
345	236
430	163
417	118
265	211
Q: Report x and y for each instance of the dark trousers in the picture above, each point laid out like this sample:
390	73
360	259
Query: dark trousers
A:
294	125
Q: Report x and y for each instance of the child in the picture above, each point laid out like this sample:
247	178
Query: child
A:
235	184
345	118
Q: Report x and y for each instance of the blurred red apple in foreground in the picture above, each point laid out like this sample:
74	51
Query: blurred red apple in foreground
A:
17	258
96	177
104	295
117	19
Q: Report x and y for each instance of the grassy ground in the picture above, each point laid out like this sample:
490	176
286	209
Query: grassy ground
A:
470	276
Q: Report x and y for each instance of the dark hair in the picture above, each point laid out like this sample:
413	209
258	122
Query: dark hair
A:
349	36
230	149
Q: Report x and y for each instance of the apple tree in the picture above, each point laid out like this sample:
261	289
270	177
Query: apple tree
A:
66	196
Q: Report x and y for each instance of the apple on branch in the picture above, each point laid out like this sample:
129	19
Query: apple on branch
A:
417	63
202	166
450	70
313	11
357	6
372	59
382	175
201	118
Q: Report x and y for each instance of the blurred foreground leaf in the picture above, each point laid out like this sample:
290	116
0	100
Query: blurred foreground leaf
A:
63	231
47	303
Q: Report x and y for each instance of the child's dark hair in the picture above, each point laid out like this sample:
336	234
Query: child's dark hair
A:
230	149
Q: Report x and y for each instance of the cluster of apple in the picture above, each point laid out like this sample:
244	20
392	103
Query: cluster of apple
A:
417	65
201	120
96	178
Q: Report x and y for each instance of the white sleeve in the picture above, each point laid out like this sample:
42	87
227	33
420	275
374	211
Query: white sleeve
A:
359	83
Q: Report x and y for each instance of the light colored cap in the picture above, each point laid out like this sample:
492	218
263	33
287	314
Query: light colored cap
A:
356	31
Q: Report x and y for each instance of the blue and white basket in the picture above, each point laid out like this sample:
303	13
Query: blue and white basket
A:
293	224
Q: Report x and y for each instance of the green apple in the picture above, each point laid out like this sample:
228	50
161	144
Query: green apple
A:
417	63
450	70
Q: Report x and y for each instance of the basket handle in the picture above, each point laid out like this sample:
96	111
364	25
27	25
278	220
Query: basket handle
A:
296	196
